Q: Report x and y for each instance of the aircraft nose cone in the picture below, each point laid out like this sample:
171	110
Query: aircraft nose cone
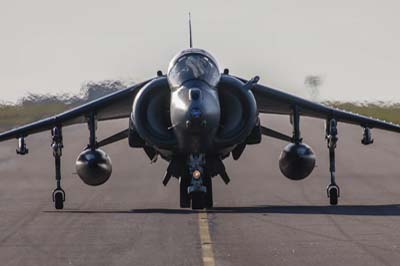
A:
196	120
195	111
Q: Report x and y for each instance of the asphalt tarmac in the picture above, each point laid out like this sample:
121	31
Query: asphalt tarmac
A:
260	218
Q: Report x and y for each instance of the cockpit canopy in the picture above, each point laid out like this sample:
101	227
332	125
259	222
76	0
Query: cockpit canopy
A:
193	64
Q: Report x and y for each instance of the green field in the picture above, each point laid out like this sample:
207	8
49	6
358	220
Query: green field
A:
388	112
14	115
33	106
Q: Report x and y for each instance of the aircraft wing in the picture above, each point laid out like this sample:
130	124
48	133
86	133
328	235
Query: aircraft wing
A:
113	106
273	101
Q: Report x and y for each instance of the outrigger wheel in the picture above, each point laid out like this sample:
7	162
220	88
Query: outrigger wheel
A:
59	198
333	194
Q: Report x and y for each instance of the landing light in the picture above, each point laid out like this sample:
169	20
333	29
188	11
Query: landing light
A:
196	174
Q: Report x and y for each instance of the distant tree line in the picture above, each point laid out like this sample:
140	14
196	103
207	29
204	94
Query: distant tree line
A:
36	106
89	91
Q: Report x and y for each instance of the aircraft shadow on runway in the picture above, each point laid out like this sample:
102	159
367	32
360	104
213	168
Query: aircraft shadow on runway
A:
362	210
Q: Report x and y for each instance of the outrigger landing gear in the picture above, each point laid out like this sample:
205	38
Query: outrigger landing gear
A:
57	145
333	190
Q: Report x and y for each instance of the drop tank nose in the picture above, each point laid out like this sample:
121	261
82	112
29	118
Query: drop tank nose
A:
195	116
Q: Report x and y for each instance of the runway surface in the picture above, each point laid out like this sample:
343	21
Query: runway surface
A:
260	218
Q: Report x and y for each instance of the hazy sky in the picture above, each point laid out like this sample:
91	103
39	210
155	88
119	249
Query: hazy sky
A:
55	46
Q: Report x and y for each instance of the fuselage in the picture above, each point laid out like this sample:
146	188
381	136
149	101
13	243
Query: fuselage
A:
194	109
195	112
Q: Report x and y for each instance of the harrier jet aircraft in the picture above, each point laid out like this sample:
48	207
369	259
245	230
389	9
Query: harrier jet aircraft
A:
194	117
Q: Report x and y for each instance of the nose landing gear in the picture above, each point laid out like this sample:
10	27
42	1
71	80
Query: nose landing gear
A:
196	186
196	199
196	190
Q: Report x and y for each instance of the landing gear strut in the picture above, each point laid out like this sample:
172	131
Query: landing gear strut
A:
196	189
333	190
57	145
196	184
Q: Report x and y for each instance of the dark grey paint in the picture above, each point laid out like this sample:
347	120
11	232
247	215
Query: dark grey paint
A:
93	167
297	161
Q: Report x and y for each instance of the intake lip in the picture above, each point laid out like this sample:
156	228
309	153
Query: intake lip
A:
150	116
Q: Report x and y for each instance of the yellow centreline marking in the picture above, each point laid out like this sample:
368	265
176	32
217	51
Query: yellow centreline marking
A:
205	240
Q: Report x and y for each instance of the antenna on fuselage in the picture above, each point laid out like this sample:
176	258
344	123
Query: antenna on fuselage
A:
190	31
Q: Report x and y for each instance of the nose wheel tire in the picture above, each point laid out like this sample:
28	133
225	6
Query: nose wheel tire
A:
198	200
333	194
